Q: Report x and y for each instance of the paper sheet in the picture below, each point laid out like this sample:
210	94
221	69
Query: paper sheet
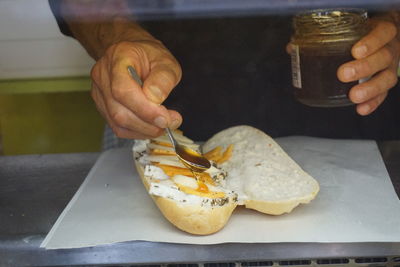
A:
356	203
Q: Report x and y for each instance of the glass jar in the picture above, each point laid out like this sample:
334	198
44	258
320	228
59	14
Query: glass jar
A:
322	41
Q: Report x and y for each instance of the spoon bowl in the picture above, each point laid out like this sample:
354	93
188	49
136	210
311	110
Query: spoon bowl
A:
192	159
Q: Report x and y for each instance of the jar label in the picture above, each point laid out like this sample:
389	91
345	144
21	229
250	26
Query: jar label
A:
296	74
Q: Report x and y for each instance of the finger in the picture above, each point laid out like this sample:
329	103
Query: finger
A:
161	80
118	131
101	107
378	85
176	119
98	101
378	37
365	67
122	120
394	45
129	93
371	105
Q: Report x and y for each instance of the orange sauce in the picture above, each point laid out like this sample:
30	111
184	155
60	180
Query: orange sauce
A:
201	178
209	194
172	170
160	152
161	143
202	187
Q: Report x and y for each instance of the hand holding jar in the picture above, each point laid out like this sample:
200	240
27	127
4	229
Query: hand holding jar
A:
340	58
376	55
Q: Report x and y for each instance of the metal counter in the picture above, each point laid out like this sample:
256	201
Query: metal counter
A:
34	190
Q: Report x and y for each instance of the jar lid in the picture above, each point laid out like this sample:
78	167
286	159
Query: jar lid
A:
349	23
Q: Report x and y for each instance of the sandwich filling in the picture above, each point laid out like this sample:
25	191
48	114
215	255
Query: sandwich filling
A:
169	178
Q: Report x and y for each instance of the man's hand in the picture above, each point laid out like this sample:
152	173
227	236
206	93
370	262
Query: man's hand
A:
105	29
376	55
131	111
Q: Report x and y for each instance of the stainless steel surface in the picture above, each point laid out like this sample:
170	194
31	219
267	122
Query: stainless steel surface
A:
34	190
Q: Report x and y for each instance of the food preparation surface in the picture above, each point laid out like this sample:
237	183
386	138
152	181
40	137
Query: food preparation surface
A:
35	189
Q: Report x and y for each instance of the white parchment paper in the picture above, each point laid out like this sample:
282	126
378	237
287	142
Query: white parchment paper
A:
356	203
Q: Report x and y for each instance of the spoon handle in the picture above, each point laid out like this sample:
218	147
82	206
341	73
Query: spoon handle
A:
171	137
135	76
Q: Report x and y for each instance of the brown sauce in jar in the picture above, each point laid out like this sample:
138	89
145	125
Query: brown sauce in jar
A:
322	42
320	85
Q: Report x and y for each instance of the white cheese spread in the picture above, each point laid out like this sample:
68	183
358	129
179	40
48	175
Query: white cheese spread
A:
154	172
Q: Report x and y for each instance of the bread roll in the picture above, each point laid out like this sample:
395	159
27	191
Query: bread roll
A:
261	173
258	174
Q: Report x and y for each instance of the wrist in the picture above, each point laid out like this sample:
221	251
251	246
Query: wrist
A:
121	29
97	25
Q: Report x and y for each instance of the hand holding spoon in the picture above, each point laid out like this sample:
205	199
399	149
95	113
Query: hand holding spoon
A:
192	159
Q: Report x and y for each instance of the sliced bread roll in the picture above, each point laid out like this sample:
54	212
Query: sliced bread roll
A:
249	168
261	173
178	195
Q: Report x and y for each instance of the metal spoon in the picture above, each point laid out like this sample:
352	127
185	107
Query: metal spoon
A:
189	157
192	159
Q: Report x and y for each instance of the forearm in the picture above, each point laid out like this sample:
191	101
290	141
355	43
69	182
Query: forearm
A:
98	24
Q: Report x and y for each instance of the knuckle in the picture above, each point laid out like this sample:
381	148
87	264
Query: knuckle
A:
117	93
119	46
139	110
365	67
173	66
121	51
95	71
119	118
168	78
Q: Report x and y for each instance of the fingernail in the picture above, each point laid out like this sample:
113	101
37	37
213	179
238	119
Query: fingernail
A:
156	94
161	122
349	73
174	124
360	50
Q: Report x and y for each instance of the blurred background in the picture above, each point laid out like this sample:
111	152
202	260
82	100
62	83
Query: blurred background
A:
45	105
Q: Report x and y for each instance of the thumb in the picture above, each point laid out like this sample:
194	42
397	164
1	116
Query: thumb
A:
160	82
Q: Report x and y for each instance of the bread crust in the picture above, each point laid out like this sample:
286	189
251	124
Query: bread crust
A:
193	219
279	207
